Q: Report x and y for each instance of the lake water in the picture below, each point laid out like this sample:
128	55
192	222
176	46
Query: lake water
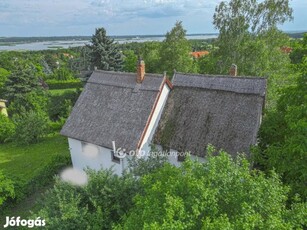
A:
66	44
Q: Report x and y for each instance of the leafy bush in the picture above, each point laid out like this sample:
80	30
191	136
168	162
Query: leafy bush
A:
99	204
30	127
56	126
221	193
60	105
36	101
7	128
62	74
6	188
283	137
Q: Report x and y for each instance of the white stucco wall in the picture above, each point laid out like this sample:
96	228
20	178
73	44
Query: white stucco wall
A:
94	157
145	145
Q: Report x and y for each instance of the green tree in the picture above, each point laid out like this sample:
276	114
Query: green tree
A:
7	128
247	31
22	80
249	38
220	194
283	136
150	52
104	52
299	50
31	127
175	52
62	74
3	77
130	60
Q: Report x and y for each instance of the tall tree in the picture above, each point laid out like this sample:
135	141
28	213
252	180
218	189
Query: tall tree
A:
249	38
104	52
175	51
248	34
21	81
283	135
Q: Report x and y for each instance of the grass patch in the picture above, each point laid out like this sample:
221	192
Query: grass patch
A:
32	169
25	162
57	92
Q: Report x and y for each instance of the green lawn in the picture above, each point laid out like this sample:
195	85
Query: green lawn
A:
55	92
25	162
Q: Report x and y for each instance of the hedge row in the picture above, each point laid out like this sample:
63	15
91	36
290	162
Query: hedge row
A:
64	84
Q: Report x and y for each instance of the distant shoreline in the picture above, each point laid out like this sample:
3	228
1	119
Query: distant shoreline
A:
293	34
58	42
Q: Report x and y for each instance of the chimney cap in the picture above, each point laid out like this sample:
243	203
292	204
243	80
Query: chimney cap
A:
140	61
140	75
233	70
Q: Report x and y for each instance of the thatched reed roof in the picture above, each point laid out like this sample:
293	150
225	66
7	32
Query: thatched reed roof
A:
220	110
112	107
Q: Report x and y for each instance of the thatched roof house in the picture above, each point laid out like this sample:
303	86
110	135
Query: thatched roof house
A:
114	107
135	110
221	110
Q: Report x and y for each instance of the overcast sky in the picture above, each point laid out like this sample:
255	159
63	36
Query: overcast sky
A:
118	17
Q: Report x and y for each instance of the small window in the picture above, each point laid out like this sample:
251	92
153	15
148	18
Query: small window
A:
84	145
115	158
181	156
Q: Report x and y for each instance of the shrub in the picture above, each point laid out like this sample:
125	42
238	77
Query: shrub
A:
61	105
7	128
220	193
6	188
99	204
36	101
30	127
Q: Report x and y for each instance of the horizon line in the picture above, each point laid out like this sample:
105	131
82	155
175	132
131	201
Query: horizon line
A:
135	35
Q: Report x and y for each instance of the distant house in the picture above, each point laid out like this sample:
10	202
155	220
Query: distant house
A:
3	107
136	110
199	54
286	49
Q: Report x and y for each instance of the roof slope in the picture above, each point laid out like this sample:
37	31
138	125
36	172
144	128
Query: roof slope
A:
220	110
112	107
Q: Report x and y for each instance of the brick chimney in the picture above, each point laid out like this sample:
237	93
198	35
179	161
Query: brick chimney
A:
140	74
233	70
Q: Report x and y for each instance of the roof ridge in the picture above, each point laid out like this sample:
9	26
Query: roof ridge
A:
127	73
219	90
221	76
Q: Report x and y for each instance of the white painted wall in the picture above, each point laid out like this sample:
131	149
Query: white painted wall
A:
145	145
95	159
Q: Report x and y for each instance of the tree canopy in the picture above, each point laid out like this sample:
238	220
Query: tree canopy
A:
221	193
248	35
174	53
104	53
